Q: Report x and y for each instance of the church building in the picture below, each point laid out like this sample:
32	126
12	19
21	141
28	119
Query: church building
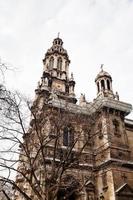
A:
76	150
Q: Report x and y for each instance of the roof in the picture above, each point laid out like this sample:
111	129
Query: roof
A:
103	73
57	47
124	189
129	121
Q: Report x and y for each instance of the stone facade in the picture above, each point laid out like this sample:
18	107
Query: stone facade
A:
97	135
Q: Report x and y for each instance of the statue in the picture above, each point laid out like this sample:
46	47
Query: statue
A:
117	96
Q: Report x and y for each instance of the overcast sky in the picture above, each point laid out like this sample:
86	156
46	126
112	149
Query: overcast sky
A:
94	32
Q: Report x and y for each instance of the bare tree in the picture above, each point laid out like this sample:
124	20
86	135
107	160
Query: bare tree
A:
36	159
43	153
5	191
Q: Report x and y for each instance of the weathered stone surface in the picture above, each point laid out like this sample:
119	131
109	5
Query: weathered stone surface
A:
104	168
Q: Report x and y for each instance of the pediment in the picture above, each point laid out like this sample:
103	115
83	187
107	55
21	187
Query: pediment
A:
89	185
125	189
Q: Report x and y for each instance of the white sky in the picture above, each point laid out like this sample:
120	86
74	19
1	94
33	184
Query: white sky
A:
94	32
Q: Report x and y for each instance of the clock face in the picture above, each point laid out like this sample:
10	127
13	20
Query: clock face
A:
58	85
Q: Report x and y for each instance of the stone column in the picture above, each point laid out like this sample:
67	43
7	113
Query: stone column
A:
105	83
63	64
81	196
100	87
111	86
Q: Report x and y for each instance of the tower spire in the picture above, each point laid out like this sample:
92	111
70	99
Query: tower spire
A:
56	72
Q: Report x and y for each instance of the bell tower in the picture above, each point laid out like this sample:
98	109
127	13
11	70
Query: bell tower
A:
73	151
55	78
104	84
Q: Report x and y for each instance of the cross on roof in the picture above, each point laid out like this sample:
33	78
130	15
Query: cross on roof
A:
58	34
102	67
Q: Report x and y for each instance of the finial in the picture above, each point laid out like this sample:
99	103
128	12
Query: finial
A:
82	100
58	34
72	78
102	67
38	85
117	96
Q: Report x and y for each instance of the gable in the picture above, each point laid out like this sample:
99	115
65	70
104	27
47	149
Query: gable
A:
124	190
89	186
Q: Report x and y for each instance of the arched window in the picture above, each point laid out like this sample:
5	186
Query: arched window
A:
116	127
68	136
100	130
102	84
59	64
108	84
51	63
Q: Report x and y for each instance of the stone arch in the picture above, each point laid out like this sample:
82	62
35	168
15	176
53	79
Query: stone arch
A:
90	190
69	188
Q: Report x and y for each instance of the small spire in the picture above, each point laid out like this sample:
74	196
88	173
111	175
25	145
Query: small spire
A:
102	67
72	78
82	100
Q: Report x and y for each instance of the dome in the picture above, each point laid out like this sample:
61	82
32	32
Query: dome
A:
102	74
57	47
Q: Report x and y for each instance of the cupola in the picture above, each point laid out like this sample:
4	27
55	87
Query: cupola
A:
56	72
104	84
58	41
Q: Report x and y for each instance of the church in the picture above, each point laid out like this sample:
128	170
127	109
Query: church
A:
76	150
